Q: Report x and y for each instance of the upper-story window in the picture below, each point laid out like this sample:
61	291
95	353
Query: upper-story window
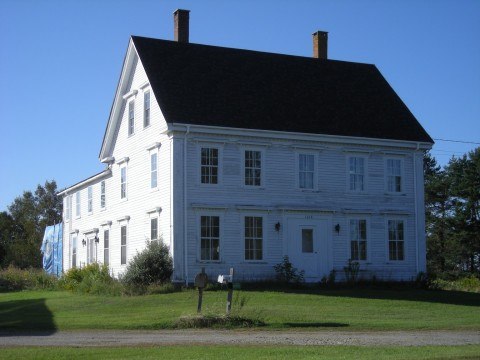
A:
77	204
396	238
358	239
394	175
68	206
146	109
90	199
253	238
306	171
209	165
123	182
253	168
153	170
131	117
103	201
356	170
210	238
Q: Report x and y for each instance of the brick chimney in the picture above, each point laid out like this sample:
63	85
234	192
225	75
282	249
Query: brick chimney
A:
180	22
320	40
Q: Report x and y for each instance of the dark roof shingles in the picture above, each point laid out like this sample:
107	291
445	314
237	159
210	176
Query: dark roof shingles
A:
208	85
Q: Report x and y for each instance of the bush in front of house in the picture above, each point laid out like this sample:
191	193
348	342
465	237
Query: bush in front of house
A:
153	265
15	279
92	279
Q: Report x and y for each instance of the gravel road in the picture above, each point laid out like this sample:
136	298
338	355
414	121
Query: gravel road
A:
238	337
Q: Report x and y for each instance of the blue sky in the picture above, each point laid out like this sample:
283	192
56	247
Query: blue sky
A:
61	60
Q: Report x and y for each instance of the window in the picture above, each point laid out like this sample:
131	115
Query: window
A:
358	240
131	117
146	109
396	239
77	204
154	228
90	199
153	170
356	171
68	205
307	241
394	175
306	171
106	246
210	238
123	245
102	195
253	238
209	166
123	182
74	251
253	168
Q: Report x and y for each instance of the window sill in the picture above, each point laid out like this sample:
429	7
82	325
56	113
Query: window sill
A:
146	127
253	262
401	193
152	190
124	199
103	209
210	262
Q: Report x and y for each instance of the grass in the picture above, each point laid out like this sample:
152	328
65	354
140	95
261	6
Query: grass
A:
246	352
348	309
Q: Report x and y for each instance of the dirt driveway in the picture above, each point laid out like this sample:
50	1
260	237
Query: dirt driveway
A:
238	337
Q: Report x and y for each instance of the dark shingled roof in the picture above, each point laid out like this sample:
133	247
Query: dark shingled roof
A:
209	85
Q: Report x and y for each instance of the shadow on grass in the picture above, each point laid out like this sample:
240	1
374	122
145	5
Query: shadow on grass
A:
314	325
26	316
382	292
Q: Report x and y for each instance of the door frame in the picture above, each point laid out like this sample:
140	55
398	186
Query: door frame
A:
323	224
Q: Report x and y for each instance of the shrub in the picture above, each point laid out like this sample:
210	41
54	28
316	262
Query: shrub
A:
287	273
470	283
91	279
351	271
14	279
153	265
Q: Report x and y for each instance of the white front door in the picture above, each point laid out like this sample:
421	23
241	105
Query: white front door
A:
308	246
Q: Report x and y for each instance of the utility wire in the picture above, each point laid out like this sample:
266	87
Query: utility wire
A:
458	141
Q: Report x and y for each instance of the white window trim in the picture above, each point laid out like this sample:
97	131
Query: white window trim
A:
315	169
264	232
208	145
90	199
105	195
402	174
72	235
199	236
368	239
263	167
68	208
126	243
150	154
147	90
128	117
387	248
365	173
126	182
78	204
109	229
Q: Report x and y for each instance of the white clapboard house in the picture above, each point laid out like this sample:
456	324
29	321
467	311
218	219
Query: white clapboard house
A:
235	158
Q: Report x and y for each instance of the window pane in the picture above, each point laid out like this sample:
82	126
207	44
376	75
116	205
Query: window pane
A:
131	117
307	240
253	165
154	229
209	166
146	109
210	238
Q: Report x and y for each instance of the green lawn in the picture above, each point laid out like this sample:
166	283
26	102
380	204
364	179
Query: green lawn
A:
345	309
246	352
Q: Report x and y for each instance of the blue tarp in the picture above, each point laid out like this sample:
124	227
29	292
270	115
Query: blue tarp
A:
52	249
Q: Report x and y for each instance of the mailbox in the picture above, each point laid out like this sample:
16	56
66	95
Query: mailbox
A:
201	280
224	279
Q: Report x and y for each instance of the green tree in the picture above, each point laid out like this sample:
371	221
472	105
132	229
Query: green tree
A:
23	226
464	173
438	209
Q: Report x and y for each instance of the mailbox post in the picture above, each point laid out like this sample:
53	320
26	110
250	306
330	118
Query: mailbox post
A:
228	279
201	280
